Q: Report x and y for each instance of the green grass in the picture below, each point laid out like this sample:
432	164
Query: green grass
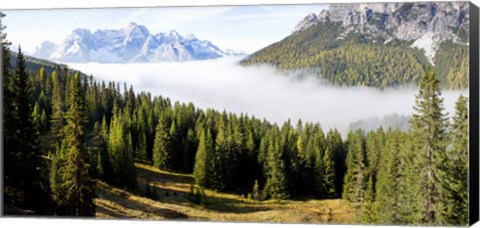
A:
172	202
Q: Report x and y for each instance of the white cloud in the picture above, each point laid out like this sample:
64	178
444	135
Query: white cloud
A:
261	91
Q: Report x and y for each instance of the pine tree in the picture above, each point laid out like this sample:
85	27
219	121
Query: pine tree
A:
375	141
120	153
100	166
57	121
390	179
76	181
203	160
328	176
276	186
456	176
355	178
24	184
335	146
429	129
162	145
367	212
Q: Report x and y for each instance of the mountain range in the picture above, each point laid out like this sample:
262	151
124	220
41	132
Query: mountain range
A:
427	24
377	44
134	43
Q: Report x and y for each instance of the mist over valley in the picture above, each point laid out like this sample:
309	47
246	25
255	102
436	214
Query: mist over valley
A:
262	91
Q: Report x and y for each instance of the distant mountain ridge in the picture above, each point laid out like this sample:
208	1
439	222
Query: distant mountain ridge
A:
428	24
134	43
377	44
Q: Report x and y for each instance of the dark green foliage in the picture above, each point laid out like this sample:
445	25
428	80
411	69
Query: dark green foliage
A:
276	186
429	130
355	60
57	120
24	185
75	184
100	167
456	167
327	174
162	150
356	176
335	146
346	62
120	154
451	65
203	160
367	211
390	176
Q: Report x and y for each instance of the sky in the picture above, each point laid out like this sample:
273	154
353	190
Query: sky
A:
246	28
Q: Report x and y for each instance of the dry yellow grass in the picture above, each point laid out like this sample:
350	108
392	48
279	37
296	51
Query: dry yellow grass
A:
172	203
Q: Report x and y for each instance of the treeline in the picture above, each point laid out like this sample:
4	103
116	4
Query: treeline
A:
414	177
63	131
355	60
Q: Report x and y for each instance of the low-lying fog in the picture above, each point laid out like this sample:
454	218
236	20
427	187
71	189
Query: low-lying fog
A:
261	91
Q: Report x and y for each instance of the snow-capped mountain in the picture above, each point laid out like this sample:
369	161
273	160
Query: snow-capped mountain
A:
134	43
45	49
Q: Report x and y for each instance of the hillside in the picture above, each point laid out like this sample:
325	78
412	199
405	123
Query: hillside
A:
374	47
172	203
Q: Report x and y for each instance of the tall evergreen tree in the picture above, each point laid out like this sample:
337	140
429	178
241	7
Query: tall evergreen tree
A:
162	155
327	176
76	175
389	179
203	160
355	178
120	153
334	145
456	176
367	211
57	121
429	129
276	186
24	184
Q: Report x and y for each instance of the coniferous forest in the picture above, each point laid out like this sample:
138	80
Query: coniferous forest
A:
65	132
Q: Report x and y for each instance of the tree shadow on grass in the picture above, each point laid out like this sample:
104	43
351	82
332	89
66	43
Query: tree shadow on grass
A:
121	197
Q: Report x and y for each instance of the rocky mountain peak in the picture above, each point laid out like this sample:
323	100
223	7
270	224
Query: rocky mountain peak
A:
427	24
133	43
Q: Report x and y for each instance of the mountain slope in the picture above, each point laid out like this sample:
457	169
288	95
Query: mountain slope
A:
378	44
134	43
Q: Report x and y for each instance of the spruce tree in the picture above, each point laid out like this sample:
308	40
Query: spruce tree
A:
328	176
76	180
367	211
389	180
456	176
334	145
355	178
57	121
276	186
203	160
429	129
120	153
24	184
162	145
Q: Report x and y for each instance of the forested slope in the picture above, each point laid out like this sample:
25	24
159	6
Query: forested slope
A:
352	55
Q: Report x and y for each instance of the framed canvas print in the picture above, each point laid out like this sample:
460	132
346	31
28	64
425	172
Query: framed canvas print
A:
315	113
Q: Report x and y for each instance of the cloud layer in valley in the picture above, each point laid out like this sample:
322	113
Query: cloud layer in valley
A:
261	91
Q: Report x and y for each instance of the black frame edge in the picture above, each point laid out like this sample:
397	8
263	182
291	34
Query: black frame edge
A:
474	116
1	123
